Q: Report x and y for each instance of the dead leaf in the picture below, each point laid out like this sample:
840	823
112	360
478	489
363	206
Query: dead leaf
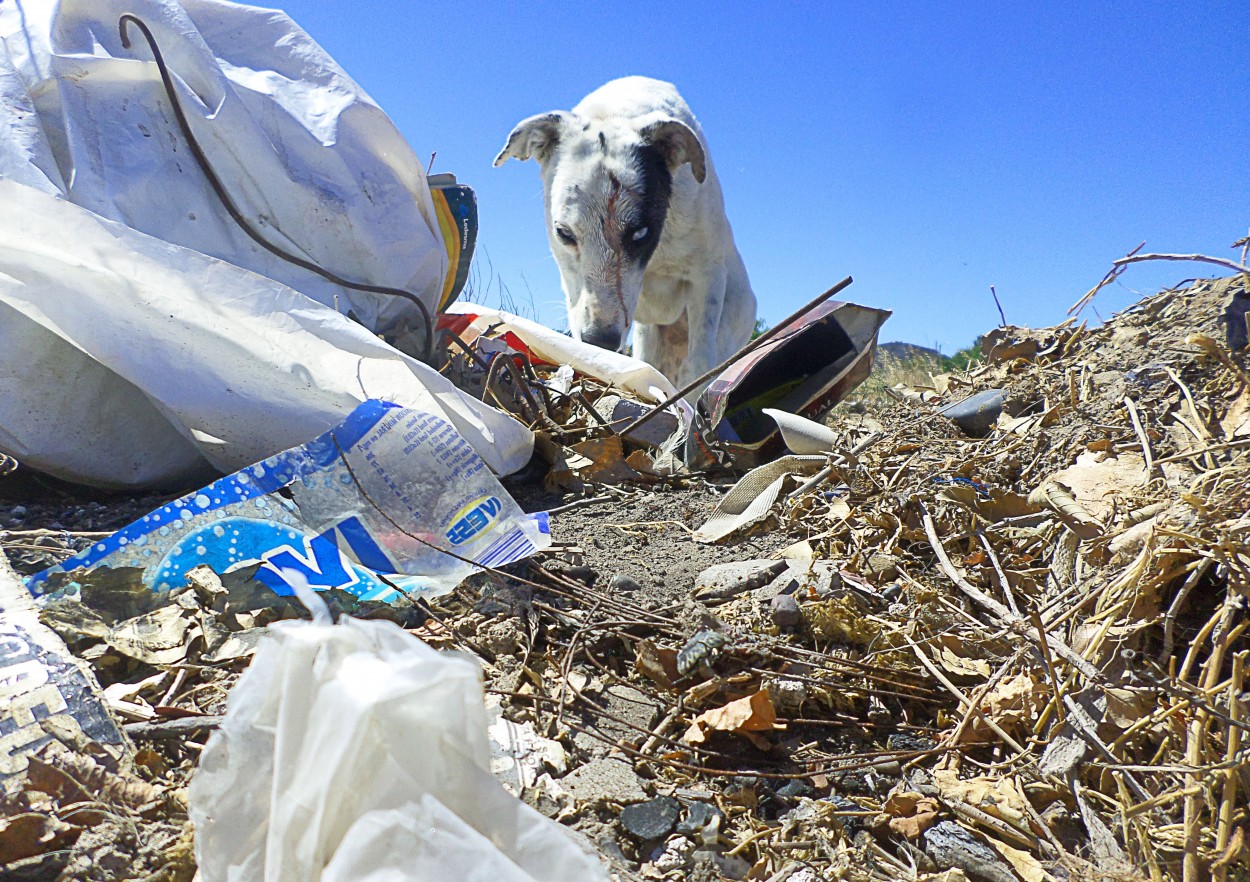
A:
1125	706
32	833
754	713
1029	867
963	667
1096	479
840	620
1000	797
158	638
1236	423
657	663
1013	702
913	813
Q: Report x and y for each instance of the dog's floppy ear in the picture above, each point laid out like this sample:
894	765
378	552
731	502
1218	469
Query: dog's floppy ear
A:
535	137
678	142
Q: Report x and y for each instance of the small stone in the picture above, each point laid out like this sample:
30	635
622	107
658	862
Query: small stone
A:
1235	320
673	855
604	779
651	819
852	824
976	415
583	574
787	695
804	874
18	511
794	788
907	741
818	577
881	567
727	580
785	611
622	582
729	866
699	815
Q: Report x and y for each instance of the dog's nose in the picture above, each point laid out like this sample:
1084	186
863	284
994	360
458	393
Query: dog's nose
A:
604	338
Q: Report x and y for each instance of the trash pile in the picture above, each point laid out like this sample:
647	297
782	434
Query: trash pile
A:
991	628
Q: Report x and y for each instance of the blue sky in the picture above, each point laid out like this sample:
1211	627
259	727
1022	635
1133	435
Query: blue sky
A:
928	150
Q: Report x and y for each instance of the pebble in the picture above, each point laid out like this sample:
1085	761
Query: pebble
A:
794	788
852	824
905	741
651	819
673	855
18	511
583	574
604	779
727	580
785	611
977	414
622	582
699	816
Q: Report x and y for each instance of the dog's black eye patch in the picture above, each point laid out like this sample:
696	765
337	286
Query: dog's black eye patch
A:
563	234
655	188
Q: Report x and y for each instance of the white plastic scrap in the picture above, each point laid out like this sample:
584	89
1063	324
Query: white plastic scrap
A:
356	752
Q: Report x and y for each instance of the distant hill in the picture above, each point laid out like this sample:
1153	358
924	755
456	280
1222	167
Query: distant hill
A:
907	351
906	362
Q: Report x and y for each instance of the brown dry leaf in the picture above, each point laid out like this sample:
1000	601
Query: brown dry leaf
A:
32	833
913	814
158	638
1236	423
963	667
1001	503
1009	704
641	462
1125	706
997	796
903	804
73	777
657	663
601	460
1060	498
1096	479
754	713
1029	867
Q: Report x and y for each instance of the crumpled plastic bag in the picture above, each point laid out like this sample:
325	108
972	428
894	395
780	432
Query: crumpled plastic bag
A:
127	361
353	751
145	338
304	153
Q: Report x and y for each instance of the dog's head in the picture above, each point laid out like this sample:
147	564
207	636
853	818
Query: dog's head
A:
606	186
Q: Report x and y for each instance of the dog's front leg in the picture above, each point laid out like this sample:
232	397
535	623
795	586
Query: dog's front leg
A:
703	310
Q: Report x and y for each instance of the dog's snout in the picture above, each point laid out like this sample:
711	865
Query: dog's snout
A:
604	337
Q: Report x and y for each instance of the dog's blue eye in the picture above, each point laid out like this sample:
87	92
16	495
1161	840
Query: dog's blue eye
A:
565	236
640	234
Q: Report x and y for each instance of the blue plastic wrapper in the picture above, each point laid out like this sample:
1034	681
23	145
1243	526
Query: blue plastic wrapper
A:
390	502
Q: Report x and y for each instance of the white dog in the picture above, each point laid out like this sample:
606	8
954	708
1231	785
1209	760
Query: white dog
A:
637	225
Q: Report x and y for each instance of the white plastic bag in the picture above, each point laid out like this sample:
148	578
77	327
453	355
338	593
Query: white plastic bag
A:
309	159
126	361
356	752
138	345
